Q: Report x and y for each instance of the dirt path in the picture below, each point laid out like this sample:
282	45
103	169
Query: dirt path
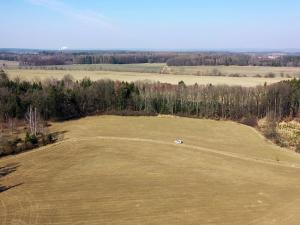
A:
203	149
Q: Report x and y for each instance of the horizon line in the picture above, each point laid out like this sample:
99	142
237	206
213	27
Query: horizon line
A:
242	50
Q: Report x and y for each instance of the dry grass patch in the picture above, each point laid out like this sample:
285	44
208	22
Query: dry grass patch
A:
127	170
36	74
249	71
289	132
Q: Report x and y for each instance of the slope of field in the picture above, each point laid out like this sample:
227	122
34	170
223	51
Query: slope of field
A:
127	171
139	76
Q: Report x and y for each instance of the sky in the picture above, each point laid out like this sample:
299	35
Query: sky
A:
150	24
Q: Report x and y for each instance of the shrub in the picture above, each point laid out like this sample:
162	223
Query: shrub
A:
31	138
181	83
216	72
249	121
270	131
27	138
28	146
10	145
7	149
234	75
270	75
270	128
298	147
48	139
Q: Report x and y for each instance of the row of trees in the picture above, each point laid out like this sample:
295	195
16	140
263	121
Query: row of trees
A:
129	58
66	58
67	99
171	58
233	59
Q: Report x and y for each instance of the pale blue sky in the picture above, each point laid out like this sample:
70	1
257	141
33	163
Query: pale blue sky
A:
150	24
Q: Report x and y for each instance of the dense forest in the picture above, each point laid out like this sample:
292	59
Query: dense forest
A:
44	58
67	99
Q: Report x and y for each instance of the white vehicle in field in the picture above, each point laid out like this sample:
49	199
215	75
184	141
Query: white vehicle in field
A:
178	141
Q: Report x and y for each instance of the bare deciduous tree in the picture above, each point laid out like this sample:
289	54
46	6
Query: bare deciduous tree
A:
12	124
33	121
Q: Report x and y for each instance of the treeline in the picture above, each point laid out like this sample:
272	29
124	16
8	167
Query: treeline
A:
234	59
67	58
128	58
67	99
45	58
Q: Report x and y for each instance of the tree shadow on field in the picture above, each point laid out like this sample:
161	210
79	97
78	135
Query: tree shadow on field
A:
6	170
